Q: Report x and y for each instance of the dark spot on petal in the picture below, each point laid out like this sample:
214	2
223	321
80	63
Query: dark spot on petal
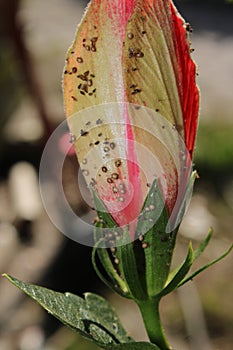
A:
74	70
109	180
74	98
134	52
118	163
99	121
115	176
79	60
83	87
136	91
97	142
112	145
104	169
85	172
139	54
83	132
82	77
72	138
188	27
93	182
130	36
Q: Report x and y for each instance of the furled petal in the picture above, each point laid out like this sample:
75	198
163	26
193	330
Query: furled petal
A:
160	74
156	55
93	76
132	52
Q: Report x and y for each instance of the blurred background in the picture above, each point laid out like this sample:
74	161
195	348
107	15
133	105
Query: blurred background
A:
34	37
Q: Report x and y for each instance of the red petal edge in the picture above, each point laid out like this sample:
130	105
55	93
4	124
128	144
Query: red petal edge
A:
186	80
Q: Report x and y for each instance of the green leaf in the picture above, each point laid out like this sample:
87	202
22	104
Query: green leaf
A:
181	273
205	267
92	317
135	346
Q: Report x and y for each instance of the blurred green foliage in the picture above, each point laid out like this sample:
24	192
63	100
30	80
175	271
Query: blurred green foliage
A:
215	147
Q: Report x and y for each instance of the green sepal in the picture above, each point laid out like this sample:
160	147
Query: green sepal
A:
194	274
128	267
181	273
158	244
92	317
177	273
129	285
186	197
197	253
114	281
103	214
200	249
100	250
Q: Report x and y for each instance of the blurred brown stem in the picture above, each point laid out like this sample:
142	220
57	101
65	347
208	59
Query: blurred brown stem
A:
13	29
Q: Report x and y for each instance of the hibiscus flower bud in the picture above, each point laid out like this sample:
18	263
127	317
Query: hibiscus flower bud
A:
132	105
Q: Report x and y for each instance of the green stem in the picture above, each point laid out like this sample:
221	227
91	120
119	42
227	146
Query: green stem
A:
151	317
